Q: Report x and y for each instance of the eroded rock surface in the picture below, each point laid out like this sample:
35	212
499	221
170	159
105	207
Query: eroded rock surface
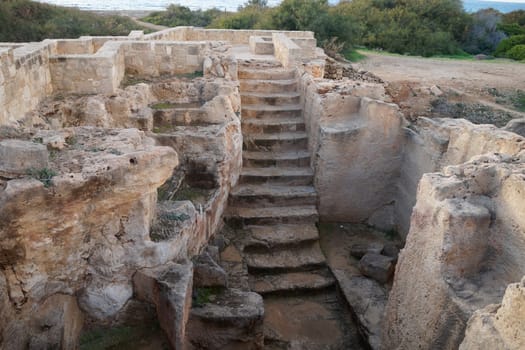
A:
81	226
499	326
464	247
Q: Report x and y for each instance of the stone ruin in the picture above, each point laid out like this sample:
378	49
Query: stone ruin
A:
122	158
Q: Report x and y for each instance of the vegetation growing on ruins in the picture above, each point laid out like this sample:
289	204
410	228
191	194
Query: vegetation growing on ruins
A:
24	21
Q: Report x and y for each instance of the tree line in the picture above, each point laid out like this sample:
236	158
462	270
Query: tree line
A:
413	27
25	21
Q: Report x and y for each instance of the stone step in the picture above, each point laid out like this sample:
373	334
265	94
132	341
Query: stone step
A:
171	117
277	175
264	111
269	73
292	281
290	260
238	216
226	310
254	85
270	236
281	159
270	99
285	141
260	195
273	125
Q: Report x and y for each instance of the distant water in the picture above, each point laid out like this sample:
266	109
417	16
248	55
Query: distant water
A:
232	5
501	6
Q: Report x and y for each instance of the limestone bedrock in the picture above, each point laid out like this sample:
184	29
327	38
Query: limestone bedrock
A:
85	231
464	247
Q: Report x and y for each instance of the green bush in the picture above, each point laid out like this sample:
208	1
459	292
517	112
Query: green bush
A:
517	52
506	44
23	21
177	15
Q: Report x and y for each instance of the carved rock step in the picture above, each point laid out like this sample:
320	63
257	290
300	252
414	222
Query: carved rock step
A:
272	215
234	317
277	175
271	99
265	111
292	281
249	85
266	73
299	158
269	236
260	195
276	141
272	125
302	258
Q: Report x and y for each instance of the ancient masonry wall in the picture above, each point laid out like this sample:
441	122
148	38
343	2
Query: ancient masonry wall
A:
25	79
92	65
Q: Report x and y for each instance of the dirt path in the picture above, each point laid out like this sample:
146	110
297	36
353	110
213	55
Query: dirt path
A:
148	25
481	91
461	74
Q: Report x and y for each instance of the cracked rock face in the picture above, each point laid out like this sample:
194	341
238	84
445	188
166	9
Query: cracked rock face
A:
82	230
499	326
464	247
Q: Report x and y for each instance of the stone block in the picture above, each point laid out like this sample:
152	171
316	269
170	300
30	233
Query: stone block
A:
391	250
358	250
17	156
169	288
377	266
207	273
56	324
233	320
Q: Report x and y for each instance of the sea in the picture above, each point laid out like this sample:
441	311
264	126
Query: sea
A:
232	5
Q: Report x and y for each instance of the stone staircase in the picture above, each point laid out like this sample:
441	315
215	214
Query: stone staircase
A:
275	201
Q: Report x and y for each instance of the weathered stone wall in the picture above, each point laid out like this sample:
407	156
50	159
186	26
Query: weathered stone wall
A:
25	79
499	326
89	74
82	46
82	233
356	145
465	245
431	144
285	50
150	58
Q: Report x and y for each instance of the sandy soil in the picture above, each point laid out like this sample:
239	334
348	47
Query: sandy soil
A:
484	89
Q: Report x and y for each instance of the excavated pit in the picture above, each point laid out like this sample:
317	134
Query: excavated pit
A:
255	206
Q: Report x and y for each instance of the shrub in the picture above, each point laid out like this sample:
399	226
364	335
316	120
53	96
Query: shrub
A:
517	52
507	44
24	21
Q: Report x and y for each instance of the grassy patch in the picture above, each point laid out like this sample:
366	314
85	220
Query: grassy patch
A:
518	101
129	81
44	175
194	194
204	295
162	129
354	55
163	105
196	74
123	338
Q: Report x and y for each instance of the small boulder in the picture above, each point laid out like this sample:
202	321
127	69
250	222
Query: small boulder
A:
517	126
436	91
18	156
207	273
358	250
391	250
377	266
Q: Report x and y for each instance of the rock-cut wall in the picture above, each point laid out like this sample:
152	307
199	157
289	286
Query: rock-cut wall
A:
465	245
356	142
